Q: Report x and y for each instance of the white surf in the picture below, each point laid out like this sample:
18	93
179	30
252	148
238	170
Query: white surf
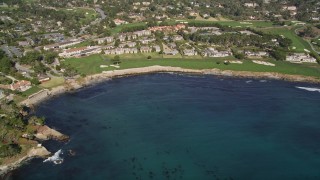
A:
309	89
55	158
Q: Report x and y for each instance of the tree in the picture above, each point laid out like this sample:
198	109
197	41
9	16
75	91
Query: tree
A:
34	120
149	57
5	65
112	24
278	54
9	150
50	57
116	59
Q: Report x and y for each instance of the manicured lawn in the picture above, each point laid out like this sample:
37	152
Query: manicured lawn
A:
297	41
119	28
54	82
91	65
256	24
32	90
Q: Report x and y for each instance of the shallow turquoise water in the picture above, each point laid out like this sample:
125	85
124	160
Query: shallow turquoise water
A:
170	126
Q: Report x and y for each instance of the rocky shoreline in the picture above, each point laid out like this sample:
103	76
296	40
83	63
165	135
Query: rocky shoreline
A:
43	133
74	84
34	152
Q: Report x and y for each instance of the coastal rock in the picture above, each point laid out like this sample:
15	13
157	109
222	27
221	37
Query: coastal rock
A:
39	151
46	133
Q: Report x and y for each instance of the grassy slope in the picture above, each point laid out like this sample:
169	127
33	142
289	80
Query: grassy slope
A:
297	41
91	65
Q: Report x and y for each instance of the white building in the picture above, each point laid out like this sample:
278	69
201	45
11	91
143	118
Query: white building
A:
190	52
145	49
62	45
300	58
211	52
256	54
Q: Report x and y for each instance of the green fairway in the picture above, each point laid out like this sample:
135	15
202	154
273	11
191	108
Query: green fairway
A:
91	65
298	44
120	27
56	81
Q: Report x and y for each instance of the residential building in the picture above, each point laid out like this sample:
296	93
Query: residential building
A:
190	52
177	38
145	49
157	48
21	86
300	58
143	33
23	43
256	54
171	52
105	39
81	51
119	22
211	52
147	40
62	45
252	5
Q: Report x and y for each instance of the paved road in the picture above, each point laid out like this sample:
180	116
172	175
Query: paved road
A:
311	45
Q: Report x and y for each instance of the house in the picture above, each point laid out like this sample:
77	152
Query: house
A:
211	52
131	44
172	45
246	32
146	3
251	5
23	43
177	38
170	52
190	52
130	50
119	51
145	49
21	86
56	37
105	39
256	54
72	52
147	40
157	48
81	51
119	22
292	9
289	8
62	45
43	78
300	58
143	33
122	37
136	3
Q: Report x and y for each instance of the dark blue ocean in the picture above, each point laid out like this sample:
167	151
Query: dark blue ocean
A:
171	126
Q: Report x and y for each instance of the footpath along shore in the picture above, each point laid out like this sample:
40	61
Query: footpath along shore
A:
106	75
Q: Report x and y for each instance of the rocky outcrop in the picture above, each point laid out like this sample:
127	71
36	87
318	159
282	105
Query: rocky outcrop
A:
46	133
38	151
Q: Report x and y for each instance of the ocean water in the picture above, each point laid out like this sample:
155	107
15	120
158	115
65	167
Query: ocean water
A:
172	126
